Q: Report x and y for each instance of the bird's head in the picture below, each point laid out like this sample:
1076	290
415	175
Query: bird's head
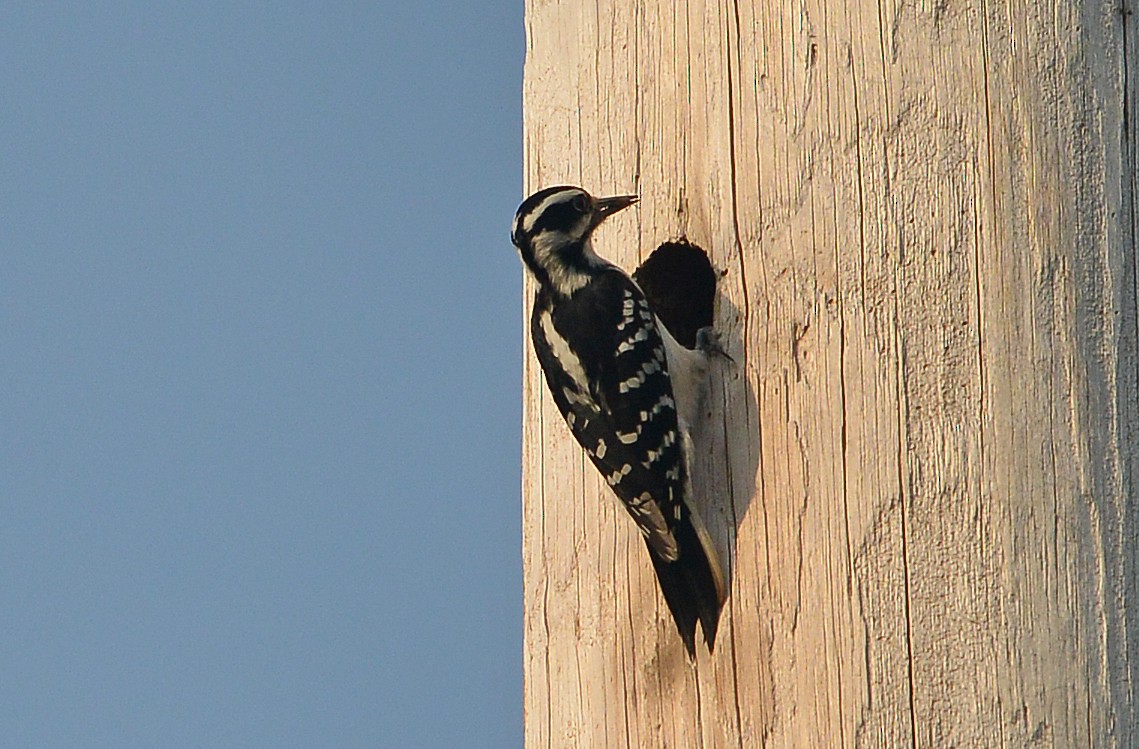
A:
563	216
552	228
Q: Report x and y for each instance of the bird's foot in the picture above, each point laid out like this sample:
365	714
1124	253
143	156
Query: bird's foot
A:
708	342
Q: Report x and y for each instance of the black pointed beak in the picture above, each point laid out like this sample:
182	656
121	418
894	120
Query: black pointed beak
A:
606	207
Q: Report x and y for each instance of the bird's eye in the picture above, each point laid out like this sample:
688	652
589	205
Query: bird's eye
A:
581	204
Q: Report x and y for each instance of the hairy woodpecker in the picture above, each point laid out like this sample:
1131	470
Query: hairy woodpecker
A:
628	391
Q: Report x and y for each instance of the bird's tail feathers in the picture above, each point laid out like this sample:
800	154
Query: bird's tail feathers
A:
694	585
715	568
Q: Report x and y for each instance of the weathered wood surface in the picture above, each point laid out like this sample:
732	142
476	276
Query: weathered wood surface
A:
924	466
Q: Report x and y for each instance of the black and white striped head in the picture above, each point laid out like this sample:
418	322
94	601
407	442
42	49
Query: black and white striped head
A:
552	229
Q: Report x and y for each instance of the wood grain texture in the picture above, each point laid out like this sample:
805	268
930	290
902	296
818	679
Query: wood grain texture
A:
923	467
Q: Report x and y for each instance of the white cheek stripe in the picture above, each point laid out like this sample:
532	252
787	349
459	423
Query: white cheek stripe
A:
565	279
562	196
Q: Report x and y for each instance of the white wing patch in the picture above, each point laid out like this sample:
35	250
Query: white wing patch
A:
642	334
652	525
664	402
627	307
615	477
648	368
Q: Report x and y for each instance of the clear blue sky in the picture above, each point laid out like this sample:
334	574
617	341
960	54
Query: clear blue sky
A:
260	355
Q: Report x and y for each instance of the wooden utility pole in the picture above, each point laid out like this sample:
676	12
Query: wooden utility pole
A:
924	465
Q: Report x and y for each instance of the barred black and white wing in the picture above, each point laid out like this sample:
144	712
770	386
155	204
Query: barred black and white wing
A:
604	358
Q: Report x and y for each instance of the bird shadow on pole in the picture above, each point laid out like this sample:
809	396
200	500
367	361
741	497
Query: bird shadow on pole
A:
680	284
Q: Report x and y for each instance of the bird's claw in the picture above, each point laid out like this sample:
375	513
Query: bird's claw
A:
708	341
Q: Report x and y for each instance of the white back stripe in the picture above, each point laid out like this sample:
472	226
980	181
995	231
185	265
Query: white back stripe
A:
563	353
